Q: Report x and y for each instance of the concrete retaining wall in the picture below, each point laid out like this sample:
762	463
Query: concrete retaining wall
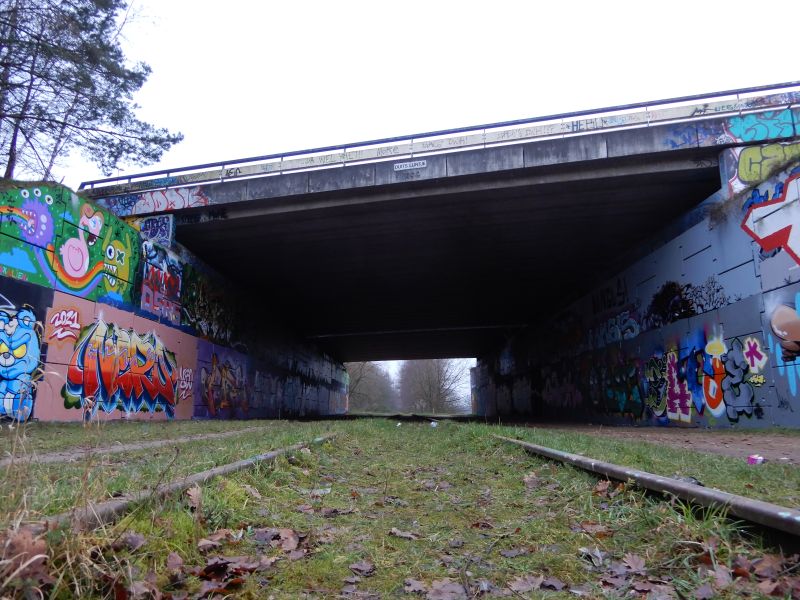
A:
702	329
102	318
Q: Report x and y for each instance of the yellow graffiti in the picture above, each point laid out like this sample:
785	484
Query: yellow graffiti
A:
756	163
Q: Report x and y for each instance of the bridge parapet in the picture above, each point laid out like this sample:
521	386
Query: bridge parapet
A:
751	117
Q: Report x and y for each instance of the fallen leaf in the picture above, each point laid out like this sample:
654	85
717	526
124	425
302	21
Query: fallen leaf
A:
363	568
215	568
581	590
352	579
768	566
526	583
195	495
615	582
297	554
634	563
414	586
704	592
456	543
174	561
514	552
204	545
769	588
220	534
24	554
306	509
601	489
129	541
596	556
252	491
531	480
289	540
617	491
335	512
722	576
406	535
553	583
446	589
596	529
482	525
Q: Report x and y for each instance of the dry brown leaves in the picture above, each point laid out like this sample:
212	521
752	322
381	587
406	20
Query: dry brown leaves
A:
406	535
23	559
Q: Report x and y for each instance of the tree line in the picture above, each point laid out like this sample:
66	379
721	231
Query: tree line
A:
437	386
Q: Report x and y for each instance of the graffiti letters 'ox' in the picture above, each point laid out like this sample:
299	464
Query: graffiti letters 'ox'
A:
116	368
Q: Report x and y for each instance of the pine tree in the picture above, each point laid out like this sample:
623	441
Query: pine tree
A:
65	83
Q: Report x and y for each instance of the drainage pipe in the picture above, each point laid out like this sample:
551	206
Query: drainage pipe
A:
764	513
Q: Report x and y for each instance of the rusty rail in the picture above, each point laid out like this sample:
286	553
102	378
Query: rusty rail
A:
764	513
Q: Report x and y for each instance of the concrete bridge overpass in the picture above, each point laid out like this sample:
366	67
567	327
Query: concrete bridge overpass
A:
450	243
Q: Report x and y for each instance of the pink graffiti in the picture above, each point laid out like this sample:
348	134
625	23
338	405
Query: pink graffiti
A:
66	323
679	398
753	354
171	199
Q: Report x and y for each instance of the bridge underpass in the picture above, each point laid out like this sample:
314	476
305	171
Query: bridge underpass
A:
439	272
554	252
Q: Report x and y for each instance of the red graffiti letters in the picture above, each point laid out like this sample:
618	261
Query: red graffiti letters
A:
116	368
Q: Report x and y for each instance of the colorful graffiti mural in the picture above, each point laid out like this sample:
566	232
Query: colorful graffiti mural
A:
775	224
52	237
757	127
205	306
161	284
20	353
652	336
158	228
117	369
74	282
221	382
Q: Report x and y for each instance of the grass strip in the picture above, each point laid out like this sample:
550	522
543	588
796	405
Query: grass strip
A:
93	515
55	457
770	482
469	509
764	513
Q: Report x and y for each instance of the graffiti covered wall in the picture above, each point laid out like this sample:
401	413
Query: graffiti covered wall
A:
104	319
703	331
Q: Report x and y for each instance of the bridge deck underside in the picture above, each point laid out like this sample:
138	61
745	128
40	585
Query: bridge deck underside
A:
450	273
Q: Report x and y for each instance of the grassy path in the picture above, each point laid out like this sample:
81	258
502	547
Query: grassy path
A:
83	453
413	511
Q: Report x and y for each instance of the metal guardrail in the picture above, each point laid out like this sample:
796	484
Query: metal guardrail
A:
643	114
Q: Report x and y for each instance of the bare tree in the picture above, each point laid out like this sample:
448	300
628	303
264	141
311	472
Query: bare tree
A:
371	388
435	386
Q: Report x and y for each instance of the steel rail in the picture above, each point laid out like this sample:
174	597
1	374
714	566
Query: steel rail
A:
93	514
418	144
764	513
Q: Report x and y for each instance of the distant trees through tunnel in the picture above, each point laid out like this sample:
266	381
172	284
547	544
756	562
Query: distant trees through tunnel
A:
435	386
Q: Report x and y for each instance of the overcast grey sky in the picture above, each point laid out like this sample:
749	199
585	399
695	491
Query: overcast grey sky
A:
243	77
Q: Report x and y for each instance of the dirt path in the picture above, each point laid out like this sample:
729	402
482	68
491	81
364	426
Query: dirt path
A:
77	453
781	448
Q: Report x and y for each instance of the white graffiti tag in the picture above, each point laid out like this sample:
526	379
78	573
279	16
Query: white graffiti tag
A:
185	383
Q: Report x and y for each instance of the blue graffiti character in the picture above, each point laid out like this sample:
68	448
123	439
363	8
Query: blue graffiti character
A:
20	353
